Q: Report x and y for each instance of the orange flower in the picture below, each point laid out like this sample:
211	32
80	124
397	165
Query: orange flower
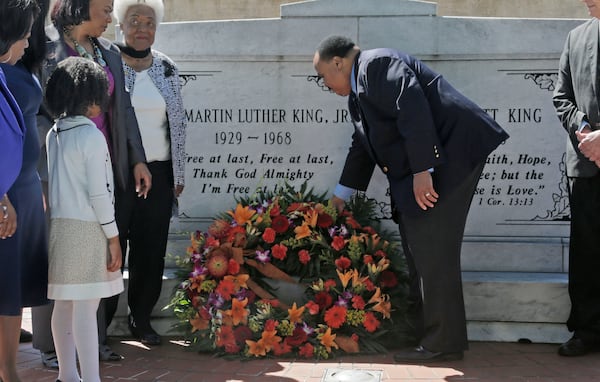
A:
384	307
198	323
270	338
238	280
302	231
242	215
295	314
335	316
238	311
311	218
256	348
345	277
328	340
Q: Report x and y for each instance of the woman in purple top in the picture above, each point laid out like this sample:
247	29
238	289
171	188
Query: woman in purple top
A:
77	26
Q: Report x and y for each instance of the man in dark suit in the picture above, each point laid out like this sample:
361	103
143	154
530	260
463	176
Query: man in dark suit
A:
431	142
576	102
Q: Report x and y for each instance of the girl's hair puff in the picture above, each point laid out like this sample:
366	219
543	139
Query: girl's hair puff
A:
75	85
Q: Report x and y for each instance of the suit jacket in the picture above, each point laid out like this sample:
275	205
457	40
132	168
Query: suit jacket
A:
126	141
576	93
12	136
411	120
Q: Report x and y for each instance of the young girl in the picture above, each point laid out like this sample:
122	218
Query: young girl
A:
85	255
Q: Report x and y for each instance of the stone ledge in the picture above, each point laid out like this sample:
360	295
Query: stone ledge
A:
500	306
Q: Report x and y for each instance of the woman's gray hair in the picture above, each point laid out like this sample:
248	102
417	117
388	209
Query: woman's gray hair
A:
121	6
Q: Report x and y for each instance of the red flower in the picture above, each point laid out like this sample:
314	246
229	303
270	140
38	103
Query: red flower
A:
313	308
358	302
269	235
281	348
380	253
212	242
297	338
338	243
354	337
343	262
225	336
303	256
241	334
307	350
233	268
324	220
280	224
369	285
369	230
368	259
329	283
371	322
324	300
226	289
275	210
335	316
279	251
388	279
352	223
270	325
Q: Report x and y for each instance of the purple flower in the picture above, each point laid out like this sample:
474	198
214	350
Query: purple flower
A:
215	300
263	256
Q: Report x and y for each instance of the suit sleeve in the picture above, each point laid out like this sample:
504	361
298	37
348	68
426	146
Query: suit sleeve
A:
358	168
564	95
393	87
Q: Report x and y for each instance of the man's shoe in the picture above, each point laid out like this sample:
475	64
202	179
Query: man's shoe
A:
422	355
574	347
107	354
50	360
25	336
147	335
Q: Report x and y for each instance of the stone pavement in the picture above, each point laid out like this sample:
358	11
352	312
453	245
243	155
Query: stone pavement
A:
484	362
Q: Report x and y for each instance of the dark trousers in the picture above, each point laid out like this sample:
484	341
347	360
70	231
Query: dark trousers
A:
584	258
432	243
144	228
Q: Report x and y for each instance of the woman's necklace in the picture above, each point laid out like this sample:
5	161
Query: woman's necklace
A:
84	53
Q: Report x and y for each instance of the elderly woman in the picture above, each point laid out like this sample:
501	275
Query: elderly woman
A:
76	30
16	19
153	82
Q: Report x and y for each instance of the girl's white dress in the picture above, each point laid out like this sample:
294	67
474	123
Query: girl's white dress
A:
82	213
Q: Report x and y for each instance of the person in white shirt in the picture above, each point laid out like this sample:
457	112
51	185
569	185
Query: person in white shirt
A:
85	253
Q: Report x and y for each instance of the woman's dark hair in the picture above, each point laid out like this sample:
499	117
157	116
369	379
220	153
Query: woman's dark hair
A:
70	12
16	17
76	84
36	52
334	46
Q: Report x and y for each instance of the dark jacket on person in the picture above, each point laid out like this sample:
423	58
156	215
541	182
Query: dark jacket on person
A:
126	141
413	120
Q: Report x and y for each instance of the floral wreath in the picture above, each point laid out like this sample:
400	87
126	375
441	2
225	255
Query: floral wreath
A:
352	280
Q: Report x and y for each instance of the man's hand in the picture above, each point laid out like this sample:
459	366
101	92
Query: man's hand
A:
338	203
143	179
425	194
589	144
